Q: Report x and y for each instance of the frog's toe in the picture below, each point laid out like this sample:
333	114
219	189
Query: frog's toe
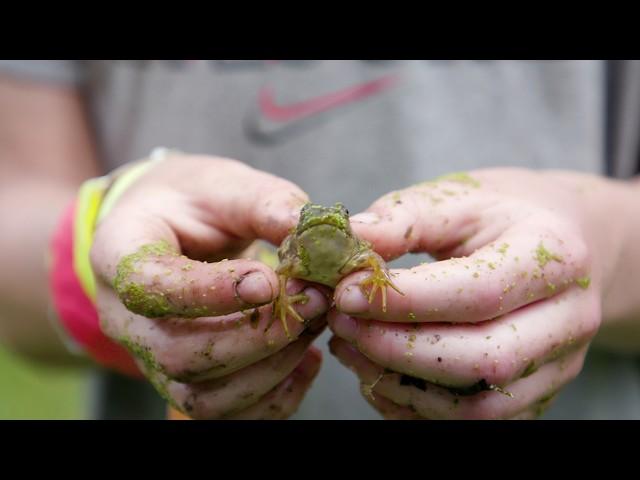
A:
367	389
378	280
283	306
295	314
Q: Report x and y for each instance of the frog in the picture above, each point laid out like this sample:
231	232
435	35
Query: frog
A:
323	248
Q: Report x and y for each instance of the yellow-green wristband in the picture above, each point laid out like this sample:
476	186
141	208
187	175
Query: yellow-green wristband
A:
127	178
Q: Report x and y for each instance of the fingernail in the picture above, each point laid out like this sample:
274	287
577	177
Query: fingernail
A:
254	288
345	327
316	304
352	300
366	218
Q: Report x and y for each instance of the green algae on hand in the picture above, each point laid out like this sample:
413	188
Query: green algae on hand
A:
459	177
530	369
396	198
162	387
138	300
584	282
544	256
141	352
503	248
135	295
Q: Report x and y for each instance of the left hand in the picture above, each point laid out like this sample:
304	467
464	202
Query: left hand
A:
511	307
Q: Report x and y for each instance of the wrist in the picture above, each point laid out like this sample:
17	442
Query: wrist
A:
73	304
618	233
72	282
606	211
616	227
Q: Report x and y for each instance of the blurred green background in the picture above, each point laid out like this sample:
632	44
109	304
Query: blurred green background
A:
30	390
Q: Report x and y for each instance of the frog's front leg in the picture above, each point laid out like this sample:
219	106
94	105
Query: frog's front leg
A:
379	278
283	305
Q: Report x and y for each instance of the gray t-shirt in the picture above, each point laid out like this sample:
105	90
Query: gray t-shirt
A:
351	131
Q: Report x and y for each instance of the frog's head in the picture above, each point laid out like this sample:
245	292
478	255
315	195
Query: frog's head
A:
313	215
321	245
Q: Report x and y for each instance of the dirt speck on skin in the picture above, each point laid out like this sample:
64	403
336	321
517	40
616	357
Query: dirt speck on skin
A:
407	234
408	380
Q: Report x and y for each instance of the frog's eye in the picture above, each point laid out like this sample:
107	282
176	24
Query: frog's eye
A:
346	211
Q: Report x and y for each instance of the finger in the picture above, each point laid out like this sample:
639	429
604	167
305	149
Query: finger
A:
436	402
538	408
427	217
206	203
460	355
283	401
206	347
156	281
228	395
137	246
517	269
235	198
526	415
159	285
391	411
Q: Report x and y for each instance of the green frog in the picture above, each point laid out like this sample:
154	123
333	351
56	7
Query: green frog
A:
323	249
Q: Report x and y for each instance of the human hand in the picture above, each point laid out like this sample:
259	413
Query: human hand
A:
199	330
504	319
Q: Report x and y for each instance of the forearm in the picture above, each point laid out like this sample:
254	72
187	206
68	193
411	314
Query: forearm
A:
46	151
29	209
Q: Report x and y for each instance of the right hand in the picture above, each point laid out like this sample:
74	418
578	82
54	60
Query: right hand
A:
197	329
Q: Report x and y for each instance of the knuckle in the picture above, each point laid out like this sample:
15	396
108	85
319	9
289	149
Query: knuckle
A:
173	362
488	299
592	317
188	399
575	368
208	405
580	254
196	363
494	366
197	409
191	404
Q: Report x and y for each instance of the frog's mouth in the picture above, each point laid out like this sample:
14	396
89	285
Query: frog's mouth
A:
313	215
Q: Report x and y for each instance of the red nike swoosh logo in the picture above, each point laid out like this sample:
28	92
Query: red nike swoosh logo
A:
306	108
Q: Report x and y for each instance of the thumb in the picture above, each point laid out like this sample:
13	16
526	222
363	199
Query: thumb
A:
196	206
430	217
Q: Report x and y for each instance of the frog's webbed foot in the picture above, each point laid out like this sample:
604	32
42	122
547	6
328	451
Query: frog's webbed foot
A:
283	306
367	389
379	279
